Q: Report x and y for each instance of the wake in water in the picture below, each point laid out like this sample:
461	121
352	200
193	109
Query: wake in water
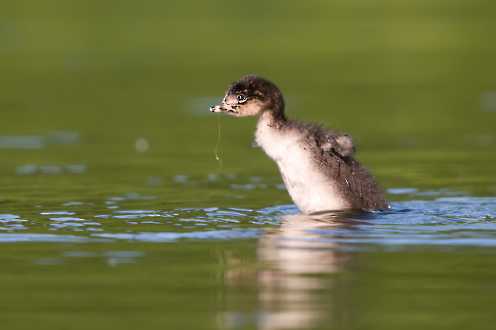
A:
443	221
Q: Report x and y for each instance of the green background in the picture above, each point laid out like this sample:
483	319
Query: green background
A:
413	81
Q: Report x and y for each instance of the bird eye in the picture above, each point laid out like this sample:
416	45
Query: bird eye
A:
241	98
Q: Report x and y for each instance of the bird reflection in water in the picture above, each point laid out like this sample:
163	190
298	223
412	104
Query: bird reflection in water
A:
295	279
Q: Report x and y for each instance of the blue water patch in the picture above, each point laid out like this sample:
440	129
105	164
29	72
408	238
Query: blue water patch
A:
445	221
173	236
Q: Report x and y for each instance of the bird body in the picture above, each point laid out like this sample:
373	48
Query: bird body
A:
310	189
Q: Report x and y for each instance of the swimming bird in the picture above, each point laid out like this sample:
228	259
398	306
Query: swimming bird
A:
317	165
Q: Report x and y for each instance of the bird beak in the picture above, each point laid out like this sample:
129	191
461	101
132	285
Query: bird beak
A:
217	108
223	107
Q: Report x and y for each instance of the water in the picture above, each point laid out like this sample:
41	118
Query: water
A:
449	221
115	213
114	263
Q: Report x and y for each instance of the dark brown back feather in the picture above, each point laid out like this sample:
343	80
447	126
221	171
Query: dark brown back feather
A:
352	179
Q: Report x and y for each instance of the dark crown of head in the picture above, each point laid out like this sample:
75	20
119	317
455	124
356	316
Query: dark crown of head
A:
252	85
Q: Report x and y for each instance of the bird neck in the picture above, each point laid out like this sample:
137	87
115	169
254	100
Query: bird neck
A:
272	118
277	106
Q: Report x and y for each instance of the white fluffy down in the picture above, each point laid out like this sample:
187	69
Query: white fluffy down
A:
310	189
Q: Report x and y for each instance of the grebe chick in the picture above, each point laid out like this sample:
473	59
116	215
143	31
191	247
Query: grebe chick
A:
316	165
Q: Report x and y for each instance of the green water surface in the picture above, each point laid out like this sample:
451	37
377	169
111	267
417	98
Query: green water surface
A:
109	187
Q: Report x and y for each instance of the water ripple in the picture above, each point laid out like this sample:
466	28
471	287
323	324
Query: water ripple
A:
448	221
172	236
